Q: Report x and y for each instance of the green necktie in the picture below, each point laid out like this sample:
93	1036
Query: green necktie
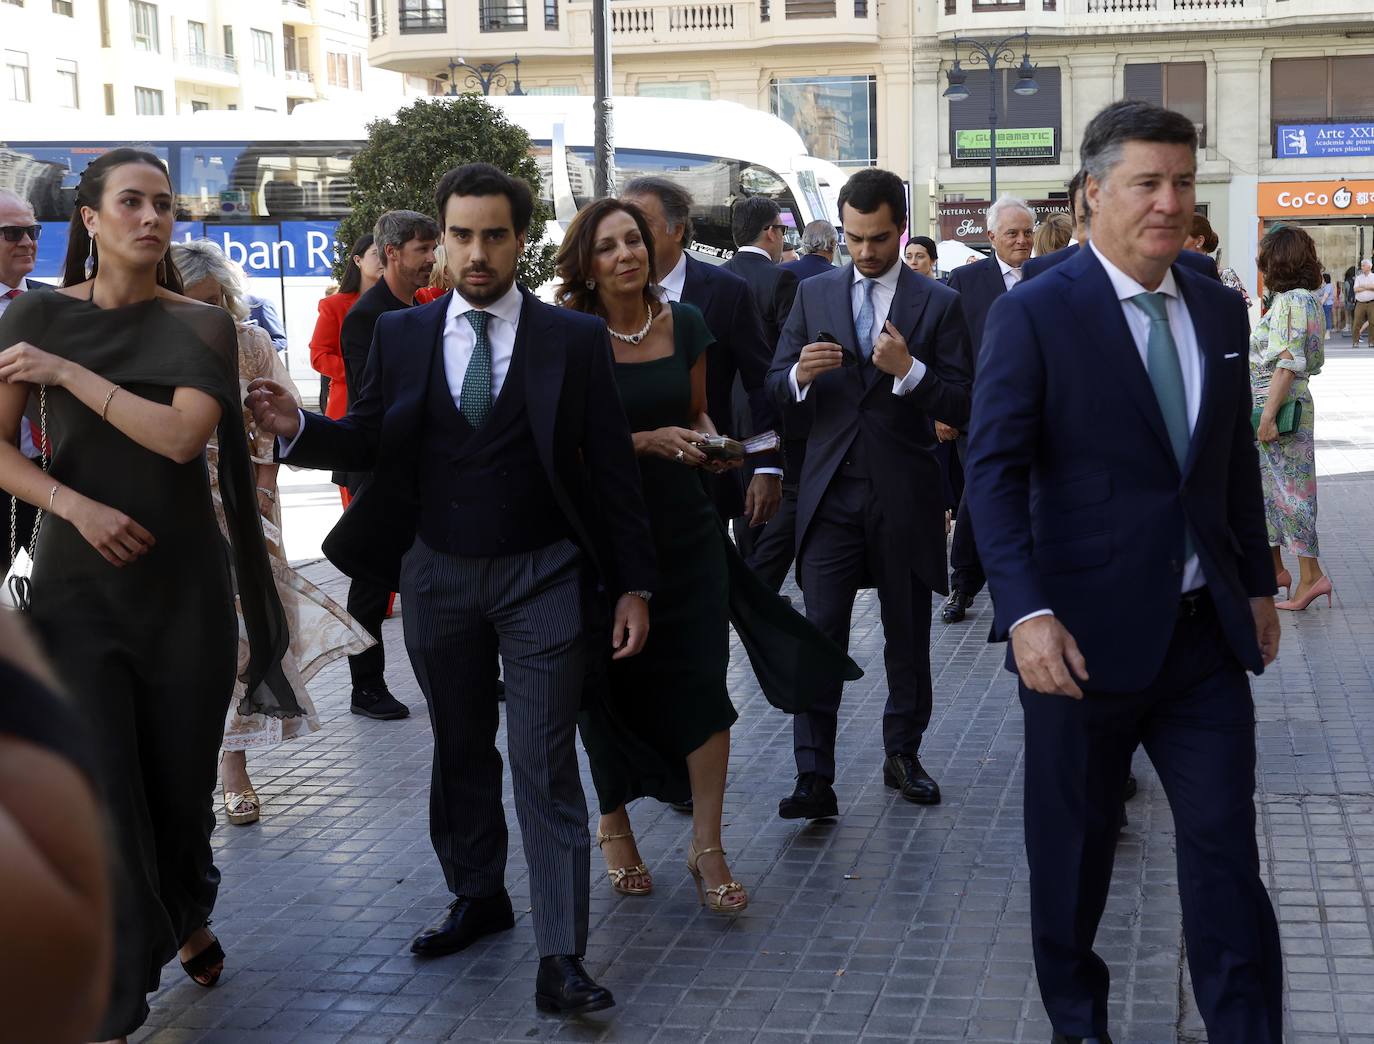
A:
1166	376
474	401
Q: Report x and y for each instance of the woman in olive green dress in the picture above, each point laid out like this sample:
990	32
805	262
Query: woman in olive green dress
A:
662	728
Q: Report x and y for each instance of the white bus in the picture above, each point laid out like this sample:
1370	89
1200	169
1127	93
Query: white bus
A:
271	189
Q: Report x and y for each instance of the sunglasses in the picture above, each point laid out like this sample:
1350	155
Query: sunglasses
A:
15	233
783	228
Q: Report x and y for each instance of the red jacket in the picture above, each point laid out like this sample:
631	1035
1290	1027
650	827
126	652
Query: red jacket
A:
326	356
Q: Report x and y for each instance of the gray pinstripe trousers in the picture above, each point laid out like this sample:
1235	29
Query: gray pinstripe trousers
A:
459	613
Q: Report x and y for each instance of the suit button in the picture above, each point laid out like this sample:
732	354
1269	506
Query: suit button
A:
453	503
505	507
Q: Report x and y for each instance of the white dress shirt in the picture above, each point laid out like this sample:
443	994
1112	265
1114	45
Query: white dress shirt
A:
755	250
1010	276
460	339
670	286
884	290
26	439
1189	358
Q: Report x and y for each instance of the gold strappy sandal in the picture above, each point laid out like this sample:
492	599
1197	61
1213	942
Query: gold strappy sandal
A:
242	808
619	874
714	899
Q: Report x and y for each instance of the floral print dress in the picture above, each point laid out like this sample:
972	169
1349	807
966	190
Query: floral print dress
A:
1288	467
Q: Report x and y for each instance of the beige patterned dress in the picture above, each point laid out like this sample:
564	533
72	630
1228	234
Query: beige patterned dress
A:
321	631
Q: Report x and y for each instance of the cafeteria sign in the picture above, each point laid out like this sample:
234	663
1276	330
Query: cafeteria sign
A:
1012	143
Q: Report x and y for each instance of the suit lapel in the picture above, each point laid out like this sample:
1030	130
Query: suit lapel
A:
544	367
997	286
908	305
1210	344
694	282
1098	311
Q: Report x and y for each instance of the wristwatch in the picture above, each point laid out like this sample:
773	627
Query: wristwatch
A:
646	595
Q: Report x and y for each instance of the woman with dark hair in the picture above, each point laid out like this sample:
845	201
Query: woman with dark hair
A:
920	256
662	726
361	274
1202	239
131	586
1286	350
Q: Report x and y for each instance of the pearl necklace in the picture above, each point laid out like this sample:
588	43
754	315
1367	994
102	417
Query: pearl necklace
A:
635	338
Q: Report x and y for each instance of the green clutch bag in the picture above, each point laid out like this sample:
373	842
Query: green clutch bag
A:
1286	420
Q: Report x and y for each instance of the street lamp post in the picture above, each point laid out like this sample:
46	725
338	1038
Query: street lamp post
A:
486	76
990	55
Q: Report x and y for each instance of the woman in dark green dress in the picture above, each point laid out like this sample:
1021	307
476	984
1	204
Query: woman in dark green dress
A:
132	591
661	726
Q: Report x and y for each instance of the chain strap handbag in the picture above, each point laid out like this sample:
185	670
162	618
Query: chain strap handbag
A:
18	589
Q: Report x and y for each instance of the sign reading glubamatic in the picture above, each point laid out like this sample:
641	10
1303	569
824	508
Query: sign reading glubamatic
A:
1012	143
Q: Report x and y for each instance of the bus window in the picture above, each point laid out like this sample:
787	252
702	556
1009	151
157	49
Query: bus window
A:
282	182
715	183
47	176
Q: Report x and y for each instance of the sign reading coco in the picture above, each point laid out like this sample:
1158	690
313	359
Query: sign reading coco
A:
1315	198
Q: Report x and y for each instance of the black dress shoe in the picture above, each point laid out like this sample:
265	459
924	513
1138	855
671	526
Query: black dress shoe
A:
378	703
812	798
1131	787
685	807
468	919
1060	1038
955	606
903	773
563	987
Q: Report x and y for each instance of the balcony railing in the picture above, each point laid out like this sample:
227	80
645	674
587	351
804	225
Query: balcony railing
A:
627	20
377	23
300	75
422	16
502	16
1129	7
224	63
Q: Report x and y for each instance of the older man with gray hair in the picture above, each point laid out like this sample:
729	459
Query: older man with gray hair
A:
1010	225
406	240
819	241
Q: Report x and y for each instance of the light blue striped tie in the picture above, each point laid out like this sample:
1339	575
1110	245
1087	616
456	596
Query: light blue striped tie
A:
1166	377
863	325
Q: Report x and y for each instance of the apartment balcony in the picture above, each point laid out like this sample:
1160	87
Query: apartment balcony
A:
297	12
1095	18
300	84
416	36
206	67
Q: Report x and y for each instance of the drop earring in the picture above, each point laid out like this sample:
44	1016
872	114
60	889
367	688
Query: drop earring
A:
591	284
91	259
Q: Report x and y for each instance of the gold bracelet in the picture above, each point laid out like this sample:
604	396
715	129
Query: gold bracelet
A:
105	408
52	495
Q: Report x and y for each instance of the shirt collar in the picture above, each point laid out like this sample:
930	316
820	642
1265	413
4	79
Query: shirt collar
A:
6	289
677	278
1004	266
1125	286
506	307
755	250
887	280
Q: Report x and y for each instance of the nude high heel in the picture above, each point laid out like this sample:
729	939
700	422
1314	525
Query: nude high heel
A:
1321	587
1284	579
714	899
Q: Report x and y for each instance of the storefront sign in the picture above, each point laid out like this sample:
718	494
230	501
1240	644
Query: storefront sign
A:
1325	139
966	220
1315	198
1012	143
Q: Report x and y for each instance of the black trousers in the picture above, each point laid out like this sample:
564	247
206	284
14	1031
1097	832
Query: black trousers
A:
772	549
843	548
1197	723
366	603
966	570
460	612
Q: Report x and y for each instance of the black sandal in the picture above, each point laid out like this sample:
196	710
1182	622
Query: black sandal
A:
205	968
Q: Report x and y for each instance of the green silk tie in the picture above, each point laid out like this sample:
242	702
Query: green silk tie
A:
1166	377
474	400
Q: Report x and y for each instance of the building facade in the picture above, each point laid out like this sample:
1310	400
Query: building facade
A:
1268	82
127	57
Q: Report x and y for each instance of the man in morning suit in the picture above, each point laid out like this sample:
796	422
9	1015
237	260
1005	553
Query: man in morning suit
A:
405	241
740	348
776	547
1010	225
494	433
870	508
1114	485
758	234
18	255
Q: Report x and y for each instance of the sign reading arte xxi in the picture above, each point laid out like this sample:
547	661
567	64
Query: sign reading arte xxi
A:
1325	139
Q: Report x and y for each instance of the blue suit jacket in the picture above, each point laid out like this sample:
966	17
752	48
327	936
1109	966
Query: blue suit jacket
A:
1077	499
575	414
808	265
857	401
1042	264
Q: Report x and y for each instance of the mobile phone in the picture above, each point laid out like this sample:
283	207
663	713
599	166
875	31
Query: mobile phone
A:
847	356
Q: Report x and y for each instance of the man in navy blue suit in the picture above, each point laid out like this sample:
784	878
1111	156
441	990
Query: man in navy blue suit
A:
1115	490
877	352
819	240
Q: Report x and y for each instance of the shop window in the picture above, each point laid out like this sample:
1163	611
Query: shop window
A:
837	116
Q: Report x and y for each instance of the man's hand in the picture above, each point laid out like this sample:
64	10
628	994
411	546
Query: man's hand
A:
817	358
630	630
890	354
762	498
273	408
1045	654
1266	628
945	432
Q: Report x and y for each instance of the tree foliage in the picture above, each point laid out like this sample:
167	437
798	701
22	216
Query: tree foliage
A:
405	156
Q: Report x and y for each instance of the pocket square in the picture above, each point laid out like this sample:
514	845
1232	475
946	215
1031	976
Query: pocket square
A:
1231	355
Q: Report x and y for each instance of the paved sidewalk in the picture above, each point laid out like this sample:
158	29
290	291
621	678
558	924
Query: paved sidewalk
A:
893	923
